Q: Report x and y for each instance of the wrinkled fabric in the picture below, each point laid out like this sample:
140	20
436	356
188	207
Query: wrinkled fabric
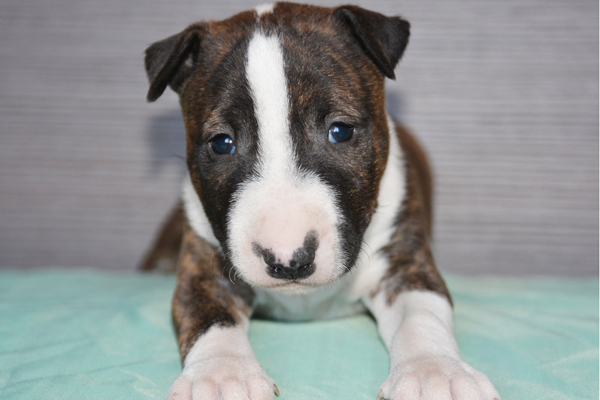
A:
85	334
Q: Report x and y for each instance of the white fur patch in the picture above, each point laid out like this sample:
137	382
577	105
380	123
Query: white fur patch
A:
266	75
264	8
222	363
372	264
424	319
281	205
216	342
195	213
330	301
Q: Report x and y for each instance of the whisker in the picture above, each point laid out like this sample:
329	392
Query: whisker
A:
367	253
231	280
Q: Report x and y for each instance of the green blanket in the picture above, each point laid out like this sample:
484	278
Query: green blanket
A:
85	334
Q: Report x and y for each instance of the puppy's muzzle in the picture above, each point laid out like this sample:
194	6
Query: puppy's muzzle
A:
299	265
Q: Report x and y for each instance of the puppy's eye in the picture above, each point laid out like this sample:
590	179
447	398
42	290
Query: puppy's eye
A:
222	144
339	132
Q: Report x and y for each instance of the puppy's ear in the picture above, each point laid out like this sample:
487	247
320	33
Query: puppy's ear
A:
171	61
382	38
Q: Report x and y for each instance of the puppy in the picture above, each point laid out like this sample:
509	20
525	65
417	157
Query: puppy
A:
294	168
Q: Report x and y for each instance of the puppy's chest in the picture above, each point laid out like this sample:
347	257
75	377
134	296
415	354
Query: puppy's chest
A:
325	303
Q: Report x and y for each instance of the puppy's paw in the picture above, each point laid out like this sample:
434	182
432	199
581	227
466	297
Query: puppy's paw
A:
439	378
224	378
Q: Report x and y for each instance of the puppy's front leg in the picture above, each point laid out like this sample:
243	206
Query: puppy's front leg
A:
425	362
415	319
210	314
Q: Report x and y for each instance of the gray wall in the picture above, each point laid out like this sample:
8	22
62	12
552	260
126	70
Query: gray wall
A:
503	94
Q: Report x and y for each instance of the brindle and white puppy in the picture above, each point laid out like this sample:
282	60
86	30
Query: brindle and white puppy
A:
304	199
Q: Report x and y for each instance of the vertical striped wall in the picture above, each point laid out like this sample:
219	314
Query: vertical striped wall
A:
504	95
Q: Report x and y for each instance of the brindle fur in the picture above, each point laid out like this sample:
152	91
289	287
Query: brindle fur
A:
205	295
412	266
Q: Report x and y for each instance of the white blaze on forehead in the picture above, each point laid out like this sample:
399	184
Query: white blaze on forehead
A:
266	75
264	8
280	204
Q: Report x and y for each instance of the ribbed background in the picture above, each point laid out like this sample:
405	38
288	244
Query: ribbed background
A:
503	94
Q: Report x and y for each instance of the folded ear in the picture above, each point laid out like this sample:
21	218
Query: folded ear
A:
171	61
382	38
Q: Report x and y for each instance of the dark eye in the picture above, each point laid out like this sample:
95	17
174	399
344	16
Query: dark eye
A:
339	132
222	144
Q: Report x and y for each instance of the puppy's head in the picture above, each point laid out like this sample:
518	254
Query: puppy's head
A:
287	135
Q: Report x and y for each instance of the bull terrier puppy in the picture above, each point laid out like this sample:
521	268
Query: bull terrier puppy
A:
304	199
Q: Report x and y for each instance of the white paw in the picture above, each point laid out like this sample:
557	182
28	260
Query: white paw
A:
224	378
437	378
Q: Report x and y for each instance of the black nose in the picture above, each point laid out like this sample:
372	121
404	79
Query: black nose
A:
299	267
279	271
